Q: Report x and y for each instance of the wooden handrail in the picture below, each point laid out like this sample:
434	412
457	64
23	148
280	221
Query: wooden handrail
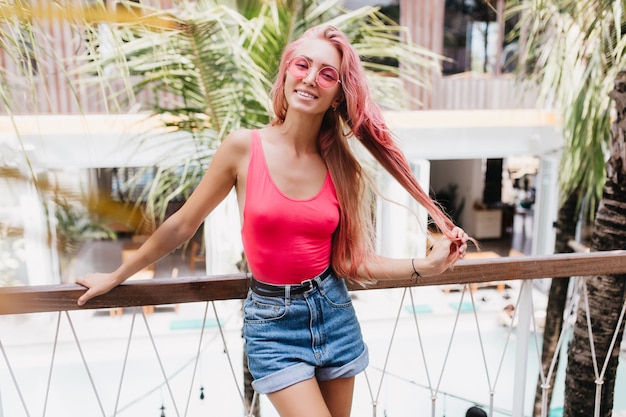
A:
46	298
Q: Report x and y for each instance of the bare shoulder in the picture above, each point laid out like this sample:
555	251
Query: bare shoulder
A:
234	150
238	140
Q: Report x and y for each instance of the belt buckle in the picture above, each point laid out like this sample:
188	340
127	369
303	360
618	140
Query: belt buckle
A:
310	283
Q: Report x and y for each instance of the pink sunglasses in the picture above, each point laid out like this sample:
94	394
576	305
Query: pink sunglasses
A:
327	77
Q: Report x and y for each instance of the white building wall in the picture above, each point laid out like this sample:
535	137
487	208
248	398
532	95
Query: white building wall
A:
401	222
467	175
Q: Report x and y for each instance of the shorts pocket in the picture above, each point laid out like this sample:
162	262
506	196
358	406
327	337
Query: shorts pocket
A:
259	308
336	292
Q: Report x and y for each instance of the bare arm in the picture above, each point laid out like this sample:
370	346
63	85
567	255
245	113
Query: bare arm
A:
442	256
217	182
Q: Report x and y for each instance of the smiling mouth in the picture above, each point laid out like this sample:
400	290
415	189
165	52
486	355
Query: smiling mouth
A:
305	94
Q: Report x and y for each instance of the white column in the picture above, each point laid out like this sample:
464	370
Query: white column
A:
546	206
222	237
392	222
400	234
39	267
421	169
521	355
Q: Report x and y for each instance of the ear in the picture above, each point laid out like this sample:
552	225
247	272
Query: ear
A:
337	101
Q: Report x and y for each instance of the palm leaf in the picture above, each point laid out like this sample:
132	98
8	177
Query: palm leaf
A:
573	53
215	67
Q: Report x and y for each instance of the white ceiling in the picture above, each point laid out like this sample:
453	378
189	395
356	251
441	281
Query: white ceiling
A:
476	134
96	141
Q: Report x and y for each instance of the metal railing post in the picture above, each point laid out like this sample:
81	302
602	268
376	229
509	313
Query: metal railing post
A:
521	354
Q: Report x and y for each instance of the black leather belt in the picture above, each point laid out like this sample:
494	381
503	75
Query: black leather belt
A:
270	290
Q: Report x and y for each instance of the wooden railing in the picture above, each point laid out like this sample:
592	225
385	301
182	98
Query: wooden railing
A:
46	298
164	291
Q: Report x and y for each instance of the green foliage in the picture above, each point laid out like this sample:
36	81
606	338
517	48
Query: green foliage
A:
574	51
74	226
205	69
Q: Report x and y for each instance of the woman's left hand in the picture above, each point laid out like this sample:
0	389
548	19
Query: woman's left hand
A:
446	251
459	246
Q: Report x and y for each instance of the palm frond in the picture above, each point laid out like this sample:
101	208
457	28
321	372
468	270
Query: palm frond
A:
573	54
389	57
211	70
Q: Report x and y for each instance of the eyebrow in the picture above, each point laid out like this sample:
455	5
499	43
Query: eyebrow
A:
308	58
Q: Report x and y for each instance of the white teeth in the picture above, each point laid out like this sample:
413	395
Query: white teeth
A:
303	94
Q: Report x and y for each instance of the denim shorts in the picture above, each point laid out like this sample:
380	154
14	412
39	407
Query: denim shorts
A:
292	338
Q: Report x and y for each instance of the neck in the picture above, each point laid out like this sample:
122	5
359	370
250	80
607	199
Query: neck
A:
302	130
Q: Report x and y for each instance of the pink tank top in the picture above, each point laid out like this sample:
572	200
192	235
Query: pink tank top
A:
286	241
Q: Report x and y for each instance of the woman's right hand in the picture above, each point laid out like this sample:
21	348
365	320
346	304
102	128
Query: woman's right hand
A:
96	284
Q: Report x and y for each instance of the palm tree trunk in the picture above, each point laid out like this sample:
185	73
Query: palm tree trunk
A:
557	299
605	293
606	297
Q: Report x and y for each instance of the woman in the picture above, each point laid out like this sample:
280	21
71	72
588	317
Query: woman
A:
305	227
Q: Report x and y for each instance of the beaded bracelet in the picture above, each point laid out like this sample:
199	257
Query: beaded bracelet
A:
415	275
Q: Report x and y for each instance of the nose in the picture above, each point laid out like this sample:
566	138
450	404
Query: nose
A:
310	77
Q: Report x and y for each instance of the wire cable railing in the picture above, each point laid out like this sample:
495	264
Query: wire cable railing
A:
166	291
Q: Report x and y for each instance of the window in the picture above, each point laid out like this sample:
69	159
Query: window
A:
471	37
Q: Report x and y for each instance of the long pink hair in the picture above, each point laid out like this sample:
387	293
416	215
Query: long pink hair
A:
358	116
